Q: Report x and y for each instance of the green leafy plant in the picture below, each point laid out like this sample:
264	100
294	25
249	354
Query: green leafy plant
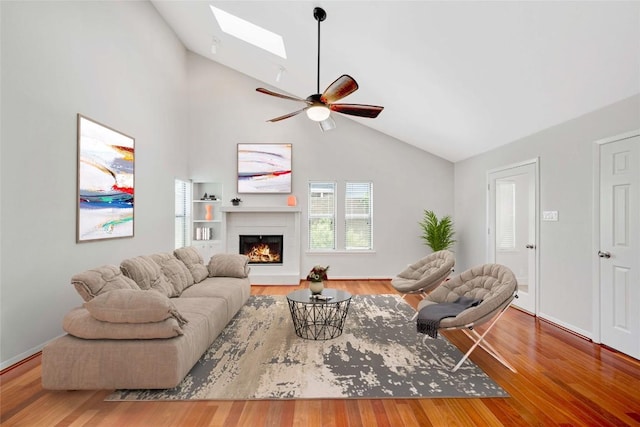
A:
437	233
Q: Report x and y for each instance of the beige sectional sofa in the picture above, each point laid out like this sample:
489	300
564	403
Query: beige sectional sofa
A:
145	323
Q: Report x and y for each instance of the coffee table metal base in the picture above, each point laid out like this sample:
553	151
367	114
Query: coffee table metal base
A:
318	320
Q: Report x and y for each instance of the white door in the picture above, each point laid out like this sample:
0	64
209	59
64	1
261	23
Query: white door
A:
512	227
620	245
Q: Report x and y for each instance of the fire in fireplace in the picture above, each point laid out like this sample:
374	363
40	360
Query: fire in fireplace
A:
261	249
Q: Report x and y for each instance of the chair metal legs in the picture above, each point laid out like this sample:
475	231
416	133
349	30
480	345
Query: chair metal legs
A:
479	340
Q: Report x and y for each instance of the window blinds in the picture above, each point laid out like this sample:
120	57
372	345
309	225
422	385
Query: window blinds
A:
183	212
322	213
358	215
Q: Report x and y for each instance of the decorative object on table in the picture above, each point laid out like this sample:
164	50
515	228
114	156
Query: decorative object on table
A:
365	362
235	201
316	277
105	182
292	201
437	233
209	215
264	168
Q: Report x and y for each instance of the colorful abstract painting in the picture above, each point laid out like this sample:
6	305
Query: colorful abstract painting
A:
105	182
264	168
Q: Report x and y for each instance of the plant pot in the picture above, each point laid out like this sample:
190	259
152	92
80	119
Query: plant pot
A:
316	287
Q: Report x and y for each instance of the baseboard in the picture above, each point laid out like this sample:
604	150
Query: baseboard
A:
571	328
283	280
280	279
22	357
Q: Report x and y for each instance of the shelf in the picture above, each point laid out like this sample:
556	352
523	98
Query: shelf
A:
212	229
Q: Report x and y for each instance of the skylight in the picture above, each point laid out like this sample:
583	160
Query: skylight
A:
250	33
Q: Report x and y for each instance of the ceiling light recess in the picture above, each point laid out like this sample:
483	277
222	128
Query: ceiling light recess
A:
249	32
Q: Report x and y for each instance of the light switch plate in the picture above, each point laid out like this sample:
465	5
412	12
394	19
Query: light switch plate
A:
550	215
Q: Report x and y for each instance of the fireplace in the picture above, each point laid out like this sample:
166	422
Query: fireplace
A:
262	249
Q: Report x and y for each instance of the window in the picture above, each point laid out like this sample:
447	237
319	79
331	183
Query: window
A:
183	212
358	216
356	232
322	215
506	215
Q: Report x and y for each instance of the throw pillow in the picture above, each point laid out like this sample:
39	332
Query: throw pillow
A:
133	306
96	281
229	265
79	323
193	260
147	274
175	271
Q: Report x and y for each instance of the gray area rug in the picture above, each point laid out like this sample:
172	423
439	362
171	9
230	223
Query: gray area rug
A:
379	355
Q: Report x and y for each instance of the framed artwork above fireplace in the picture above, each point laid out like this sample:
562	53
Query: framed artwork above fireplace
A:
264	168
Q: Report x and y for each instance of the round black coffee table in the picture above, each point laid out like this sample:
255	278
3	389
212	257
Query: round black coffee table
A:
317	319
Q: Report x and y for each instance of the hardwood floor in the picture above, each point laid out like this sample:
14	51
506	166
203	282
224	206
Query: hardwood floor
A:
562	379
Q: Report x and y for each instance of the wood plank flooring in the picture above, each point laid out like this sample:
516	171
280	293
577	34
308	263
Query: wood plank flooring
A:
562	380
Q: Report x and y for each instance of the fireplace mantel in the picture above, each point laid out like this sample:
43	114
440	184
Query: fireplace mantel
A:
267	220
260	209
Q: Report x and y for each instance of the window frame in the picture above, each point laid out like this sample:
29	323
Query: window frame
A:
182	208
311	216
368	216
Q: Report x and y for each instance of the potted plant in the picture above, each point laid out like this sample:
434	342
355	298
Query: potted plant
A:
437	233
235	201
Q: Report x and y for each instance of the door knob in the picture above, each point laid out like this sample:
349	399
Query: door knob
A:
530	246
604	254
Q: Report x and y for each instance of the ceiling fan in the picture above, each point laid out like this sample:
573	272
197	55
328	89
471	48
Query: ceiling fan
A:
319	106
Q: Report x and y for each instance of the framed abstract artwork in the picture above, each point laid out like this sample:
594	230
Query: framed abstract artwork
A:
105	182
264	168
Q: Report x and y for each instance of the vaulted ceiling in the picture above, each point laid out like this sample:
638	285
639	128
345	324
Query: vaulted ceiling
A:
456	78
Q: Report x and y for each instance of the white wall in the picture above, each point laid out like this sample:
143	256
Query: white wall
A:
566	253
225	109
119	64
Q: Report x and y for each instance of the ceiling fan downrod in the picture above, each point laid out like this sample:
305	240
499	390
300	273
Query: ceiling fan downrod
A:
320	15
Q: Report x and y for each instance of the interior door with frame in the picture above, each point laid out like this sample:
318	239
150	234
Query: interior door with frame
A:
512	227
619	251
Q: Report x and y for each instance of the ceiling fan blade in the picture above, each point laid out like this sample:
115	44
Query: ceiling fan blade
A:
370	111
286	116
280	95
343	86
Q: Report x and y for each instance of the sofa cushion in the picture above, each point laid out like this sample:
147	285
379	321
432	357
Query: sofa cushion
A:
233	291
175	270
193	261
80	323
147	274
96	281
229	265
132	306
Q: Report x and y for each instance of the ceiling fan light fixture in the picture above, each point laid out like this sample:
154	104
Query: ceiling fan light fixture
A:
318	113
320	105
327	124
